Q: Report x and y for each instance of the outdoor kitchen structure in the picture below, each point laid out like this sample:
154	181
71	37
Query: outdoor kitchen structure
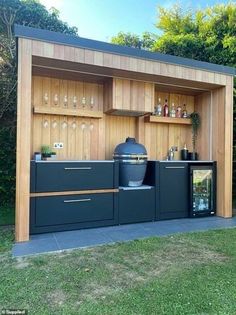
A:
82	98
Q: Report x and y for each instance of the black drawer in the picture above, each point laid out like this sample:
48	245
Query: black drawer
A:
56	213
136	205
71	176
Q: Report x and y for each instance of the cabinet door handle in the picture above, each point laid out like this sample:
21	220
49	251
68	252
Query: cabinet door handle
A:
174	167
77	168
77	200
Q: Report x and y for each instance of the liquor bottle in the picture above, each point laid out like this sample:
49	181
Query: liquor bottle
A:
159	108
166	109
173	112
179	112
185	113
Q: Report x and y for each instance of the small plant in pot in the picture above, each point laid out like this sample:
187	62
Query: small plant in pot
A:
196	121
46	151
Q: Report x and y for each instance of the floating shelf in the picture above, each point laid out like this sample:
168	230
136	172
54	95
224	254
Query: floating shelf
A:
168	120
67	112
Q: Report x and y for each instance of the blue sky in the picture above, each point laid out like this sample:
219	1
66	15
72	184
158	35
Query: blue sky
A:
101	19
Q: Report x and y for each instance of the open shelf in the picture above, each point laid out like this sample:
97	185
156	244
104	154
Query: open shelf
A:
67	112
167	120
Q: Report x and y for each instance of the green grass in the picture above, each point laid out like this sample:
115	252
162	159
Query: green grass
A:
190	274
7	215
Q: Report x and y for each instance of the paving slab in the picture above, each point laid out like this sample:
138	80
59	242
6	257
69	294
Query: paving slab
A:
52	242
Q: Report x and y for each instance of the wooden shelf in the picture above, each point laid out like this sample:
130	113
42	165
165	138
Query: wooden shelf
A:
168	120
68	112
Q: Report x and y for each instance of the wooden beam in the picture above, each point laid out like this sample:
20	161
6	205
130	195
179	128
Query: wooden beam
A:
23	139
79	192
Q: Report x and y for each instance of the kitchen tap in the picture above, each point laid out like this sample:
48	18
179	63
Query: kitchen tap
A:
171	153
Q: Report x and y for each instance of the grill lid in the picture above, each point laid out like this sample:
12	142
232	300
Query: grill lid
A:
130	149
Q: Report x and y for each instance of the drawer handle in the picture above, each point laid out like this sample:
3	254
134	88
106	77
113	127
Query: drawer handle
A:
77	200
174	166
77	168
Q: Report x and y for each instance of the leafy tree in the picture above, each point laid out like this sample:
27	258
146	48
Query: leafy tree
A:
30	13
207	35
131	40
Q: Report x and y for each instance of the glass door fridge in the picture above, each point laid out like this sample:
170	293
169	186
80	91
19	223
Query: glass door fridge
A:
203	190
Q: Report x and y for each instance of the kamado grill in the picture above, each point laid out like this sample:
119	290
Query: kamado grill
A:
132	158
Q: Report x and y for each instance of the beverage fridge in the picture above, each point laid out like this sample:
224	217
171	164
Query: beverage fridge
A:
202	190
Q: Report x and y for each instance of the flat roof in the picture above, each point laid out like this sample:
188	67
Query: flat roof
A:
76	41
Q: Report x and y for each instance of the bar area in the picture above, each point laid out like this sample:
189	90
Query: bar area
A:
110	135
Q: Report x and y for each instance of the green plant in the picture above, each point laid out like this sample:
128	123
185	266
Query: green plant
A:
196	121
46	151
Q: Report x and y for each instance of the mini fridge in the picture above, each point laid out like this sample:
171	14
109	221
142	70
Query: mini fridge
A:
202	190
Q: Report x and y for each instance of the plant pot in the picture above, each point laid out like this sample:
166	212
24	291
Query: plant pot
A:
193	156
46	155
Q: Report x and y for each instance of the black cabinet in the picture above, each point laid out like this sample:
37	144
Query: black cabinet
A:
60	200
58	213
136	204
173	190
66	176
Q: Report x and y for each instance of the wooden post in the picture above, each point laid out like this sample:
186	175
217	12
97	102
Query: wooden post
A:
228	207
23	139
222	129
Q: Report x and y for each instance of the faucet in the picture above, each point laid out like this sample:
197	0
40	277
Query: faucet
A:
171	153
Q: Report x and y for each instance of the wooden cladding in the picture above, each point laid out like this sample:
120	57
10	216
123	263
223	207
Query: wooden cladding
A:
66	94
80	136
125	63
123	95
85	137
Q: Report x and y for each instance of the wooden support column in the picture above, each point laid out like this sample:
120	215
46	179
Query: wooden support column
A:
222	134
228	207
23	139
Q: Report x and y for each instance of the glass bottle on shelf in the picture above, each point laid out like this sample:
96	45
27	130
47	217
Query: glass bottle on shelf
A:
166	109
158	109
173	112
184	113
179	112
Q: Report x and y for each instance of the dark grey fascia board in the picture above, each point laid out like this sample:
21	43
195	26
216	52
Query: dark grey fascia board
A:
70	40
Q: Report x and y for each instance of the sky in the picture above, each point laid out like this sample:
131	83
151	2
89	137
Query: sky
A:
102	19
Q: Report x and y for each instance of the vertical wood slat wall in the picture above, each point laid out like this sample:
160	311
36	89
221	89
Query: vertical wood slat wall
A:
80	136
215	107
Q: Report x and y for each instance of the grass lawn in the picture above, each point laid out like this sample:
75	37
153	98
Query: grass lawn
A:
192	273
7	215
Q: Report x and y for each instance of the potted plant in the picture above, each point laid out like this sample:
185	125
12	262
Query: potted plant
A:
195	120
53	155
46	151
